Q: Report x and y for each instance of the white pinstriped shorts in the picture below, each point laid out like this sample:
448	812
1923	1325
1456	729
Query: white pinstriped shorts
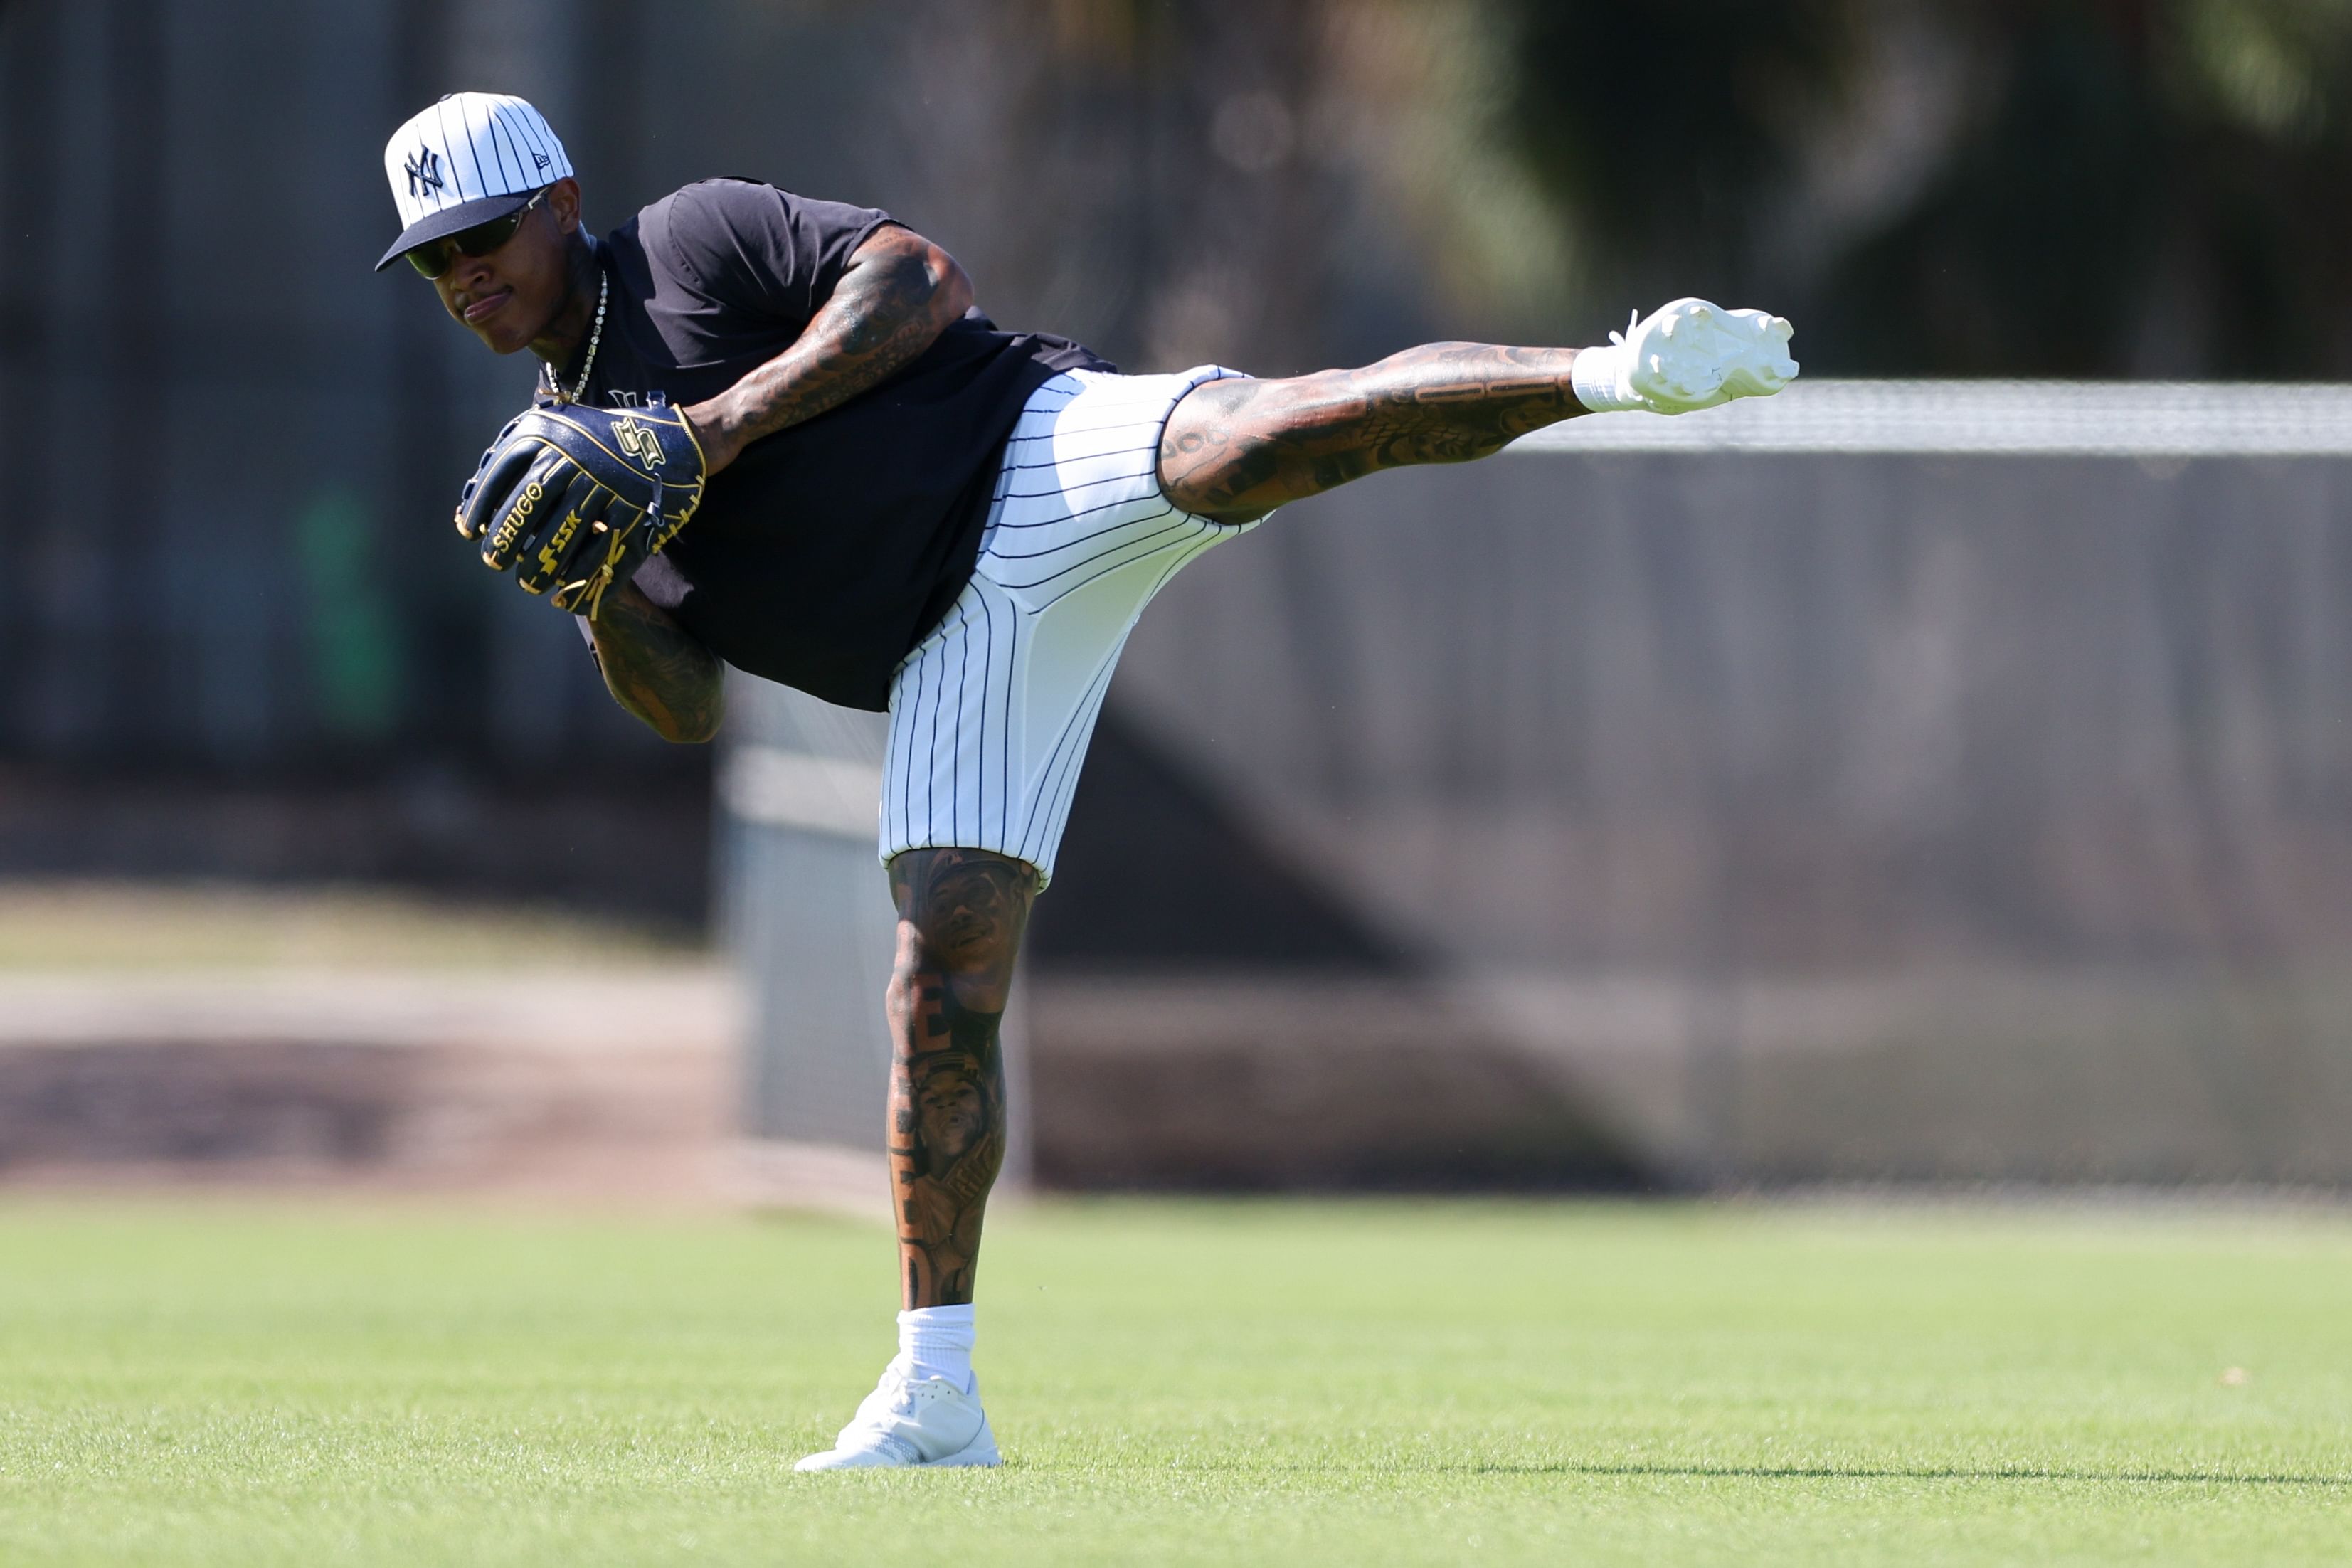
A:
991	715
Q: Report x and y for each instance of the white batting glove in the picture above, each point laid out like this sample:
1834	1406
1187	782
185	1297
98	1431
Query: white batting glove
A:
1690	354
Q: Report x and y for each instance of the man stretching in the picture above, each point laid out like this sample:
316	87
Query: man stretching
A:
909	510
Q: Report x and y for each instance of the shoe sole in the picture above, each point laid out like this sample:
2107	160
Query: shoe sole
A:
970	1458
975	1457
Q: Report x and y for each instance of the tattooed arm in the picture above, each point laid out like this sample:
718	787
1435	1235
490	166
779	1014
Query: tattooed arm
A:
1236	449
899	293
655	668
960	915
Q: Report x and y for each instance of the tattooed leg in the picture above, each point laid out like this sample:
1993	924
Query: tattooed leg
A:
960	915
1235	449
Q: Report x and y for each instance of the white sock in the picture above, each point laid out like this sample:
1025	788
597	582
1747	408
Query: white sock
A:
1600	378
936	1342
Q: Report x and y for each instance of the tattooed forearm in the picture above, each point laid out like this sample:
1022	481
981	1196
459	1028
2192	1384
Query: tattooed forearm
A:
898	294
961	914
656	669
1239	448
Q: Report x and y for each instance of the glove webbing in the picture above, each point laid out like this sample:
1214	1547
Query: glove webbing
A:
591	587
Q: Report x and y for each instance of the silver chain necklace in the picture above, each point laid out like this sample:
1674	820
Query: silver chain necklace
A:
603	283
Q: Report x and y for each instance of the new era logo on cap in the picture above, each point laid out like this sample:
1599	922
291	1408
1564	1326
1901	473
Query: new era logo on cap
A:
459	161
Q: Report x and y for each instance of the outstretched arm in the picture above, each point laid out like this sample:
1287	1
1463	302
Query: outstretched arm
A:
655	668
899	293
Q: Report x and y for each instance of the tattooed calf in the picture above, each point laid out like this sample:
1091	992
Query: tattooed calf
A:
960	915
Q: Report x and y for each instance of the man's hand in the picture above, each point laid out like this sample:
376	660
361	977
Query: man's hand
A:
1687	355
899	293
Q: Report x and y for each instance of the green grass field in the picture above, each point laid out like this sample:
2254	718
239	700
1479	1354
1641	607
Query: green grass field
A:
1275	1383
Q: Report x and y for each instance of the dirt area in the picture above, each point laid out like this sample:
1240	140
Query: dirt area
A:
365	1041
558	1083
195	1034
620	1086
193	1037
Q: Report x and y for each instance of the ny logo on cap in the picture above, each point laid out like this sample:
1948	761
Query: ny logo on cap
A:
424	168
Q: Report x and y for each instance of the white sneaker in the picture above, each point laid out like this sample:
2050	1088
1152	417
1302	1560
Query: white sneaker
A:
903	1424
1691	353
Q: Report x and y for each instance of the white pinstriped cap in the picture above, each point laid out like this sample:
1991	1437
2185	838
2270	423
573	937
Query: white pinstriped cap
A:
471	157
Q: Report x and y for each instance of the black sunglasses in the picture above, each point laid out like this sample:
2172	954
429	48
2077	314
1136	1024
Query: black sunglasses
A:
434	257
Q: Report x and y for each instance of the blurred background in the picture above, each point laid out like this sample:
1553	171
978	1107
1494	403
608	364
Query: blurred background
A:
1950	806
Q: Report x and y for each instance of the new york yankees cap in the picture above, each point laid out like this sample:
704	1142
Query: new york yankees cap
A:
471	157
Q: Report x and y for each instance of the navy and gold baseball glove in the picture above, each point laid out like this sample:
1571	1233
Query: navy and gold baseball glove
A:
572	499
